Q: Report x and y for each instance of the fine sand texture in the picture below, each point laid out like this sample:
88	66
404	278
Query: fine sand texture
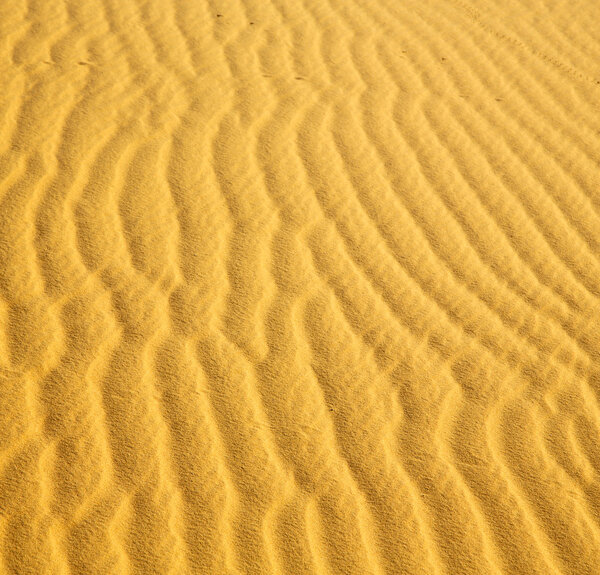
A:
300	287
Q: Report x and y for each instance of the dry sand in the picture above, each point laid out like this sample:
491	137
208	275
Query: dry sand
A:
300	286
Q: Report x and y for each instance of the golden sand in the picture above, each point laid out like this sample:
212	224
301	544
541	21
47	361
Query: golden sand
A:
300	287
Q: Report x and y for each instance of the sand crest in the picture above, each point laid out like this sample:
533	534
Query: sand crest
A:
299	287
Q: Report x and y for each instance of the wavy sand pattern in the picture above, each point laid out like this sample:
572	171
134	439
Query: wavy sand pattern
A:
300	287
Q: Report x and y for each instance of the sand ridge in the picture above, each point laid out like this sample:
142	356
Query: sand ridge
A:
299	287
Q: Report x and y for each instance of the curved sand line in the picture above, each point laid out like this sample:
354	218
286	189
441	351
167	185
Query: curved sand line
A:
299	287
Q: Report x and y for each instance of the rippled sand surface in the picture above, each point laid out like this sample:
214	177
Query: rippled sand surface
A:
300	287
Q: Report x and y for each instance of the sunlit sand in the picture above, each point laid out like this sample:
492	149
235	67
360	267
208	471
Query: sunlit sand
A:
299	287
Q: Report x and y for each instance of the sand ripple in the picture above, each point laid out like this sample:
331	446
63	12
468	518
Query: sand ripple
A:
299	287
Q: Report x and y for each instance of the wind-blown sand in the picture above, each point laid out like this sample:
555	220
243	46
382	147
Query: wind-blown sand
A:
299	286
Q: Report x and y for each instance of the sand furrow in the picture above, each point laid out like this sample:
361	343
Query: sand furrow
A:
549	179
299	287
354	162
292	221
413	462
269	368
380	484
247	438
550	135
499	200
459	378
489	339
578	48
147	481
428	79
31	351
289	388
496	248
502	303
449	65
76	426
196	303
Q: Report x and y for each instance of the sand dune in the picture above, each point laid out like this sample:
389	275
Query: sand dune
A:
300	287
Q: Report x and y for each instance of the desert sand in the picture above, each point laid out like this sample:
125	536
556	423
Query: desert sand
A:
300	287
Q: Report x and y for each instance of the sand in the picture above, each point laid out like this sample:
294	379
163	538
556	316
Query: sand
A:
300	287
